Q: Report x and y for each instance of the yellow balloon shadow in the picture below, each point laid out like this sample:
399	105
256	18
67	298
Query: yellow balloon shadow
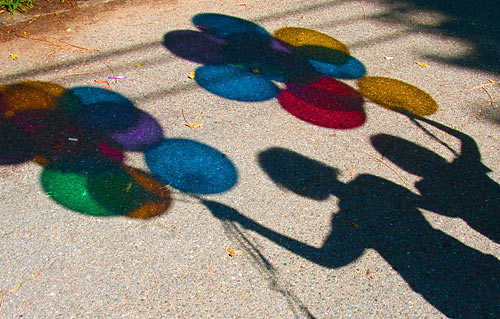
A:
397	95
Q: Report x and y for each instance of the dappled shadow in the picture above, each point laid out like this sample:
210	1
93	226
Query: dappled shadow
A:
474	22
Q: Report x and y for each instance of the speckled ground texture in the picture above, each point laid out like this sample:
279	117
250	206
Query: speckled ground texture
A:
390	247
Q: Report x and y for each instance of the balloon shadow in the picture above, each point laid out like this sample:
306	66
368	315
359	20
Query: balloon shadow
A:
100	187
79	136
191	167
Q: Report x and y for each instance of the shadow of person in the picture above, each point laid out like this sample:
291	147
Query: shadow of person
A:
460	188
378	214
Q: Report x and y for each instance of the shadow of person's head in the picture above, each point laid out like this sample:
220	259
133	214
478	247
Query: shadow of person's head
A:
297	173
413	158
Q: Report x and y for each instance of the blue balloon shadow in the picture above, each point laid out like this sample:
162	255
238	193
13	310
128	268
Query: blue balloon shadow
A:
113	115
350	69
222	25
99	109
191	166
235	83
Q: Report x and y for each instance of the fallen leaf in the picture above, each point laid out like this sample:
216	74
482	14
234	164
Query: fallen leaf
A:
368	274
138	64
421	64
129	186
191	75
350	223
230	251
193	125
13	56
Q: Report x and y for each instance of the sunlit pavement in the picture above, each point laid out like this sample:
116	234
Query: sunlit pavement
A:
257	159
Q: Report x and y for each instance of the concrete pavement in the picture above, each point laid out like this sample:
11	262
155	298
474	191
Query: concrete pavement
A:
263	214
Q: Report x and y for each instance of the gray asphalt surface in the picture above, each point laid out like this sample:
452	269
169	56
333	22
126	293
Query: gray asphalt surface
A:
58	263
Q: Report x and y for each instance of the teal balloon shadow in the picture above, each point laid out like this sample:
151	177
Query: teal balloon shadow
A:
191	167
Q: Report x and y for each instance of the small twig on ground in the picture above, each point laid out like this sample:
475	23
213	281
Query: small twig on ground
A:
82	67
80	73
76	68
387	165
489	95
16	288
64	46
483	87
491	82
363	7
193	125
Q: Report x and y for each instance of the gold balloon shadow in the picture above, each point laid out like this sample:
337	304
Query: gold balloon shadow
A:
314	44
29	95
397	95
298	37
151	208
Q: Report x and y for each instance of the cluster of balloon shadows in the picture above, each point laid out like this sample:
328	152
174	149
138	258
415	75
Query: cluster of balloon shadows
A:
242	61
375	213
81	135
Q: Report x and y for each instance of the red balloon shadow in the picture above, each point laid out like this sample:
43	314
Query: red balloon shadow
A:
328	103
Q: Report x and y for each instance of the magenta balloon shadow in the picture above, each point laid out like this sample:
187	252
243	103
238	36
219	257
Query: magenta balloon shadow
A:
327	103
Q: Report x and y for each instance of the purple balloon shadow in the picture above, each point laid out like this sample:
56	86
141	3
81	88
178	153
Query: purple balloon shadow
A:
138	137
196	46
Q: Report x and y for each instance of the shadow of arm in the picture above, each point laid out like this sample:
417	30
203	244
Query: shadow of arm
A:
324	256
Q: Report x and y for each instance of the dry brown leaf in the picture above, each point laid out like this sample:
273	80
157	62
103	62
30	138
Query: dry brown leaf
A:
230	251
421	64
354	224
193	125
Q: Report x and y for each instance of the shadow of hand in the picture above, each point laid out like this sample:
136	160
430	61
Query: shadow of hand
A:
223	212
